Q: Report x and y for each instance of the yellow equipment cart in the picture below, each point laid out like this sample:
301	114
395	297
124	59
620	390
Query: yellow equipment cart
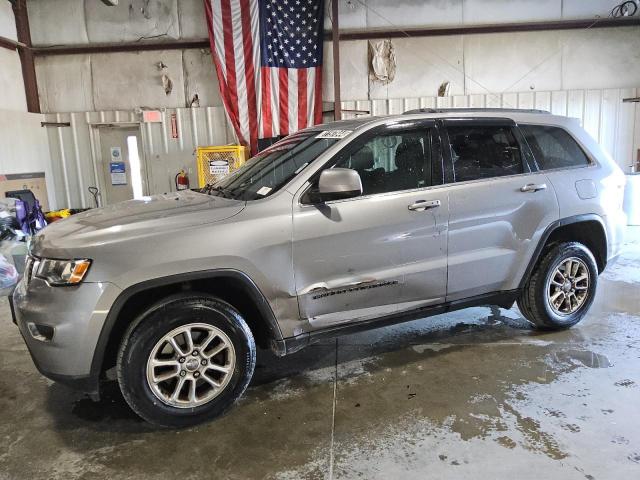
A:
216	162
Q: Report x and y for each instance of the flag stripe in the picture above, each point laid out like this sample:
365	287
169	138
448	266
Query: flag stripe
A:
302	98
242	101
230	66
284	101
213	10
318	97
267	129
274	74
217	32
249	69
293	100
311	78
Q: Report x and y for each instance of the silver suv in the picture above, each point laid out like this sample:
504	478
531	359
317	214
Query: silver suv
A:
340	227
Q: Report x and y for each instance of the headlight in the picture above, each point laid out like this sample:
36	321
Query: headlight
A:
62	272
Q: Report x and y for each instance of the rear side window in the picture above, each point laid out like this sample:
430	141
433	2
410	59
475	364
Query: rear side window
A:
553	147
484	151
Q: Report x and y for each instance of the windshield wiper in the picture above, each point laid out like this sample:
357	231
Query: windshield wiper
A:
221	190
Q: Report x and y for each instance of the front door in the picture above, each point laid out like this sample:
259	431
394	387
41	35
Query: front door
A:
499	206
383	252
121	164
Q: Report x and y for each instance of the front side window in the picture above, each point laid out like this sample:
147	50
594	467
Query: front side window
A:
553	147
484	151
274	167
391	161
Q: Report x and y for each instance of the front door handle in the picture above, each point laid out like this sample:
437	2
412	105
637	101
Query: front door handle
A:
534	187
422	205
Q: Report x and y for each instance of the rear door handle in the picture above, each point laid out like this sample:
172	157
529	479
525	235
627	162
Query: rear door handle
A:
422	205
534	187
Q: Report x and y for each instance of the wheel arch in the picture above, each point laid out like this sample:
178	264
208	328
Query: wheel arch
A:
227	284
588	229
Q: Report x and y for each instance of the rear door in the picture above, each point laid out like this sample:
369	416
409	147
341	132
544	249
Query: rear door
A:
385	251
499	206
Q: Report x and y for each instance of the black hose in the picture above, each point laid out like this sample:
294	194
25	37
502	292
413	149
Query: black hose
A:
625	9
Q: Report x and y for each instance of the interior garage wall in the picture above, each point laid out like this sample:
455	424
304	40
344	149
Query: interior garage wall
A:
112	81
494	63
7	22
12	96
75	149
370	14
91	21
24	146
537	61
487	63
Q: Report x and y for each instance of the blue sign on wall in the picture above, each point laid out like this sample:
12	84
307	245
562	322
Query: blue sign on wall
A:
118	173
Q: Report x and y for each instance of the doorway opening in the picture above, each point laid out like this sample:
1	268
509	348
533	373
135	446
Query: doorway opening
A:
134	162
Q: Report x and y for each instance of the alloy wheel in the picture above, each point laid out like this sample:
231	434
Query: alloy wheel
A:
568	286
191	365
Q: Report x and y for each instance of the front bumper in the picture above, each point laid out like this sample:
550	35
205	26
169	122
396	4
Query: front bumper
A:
76	315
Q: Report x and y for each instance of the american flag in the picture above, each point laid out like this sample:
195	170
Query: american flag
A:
268	59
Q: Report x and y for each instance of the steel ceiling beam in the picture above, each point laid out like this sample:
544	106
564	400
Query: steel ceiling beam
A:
351	35
486	29
26	55
9	44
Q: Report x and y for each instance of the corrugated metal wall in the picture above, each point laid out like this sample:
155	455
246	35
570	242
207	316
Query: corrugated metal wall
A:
76	162
615	125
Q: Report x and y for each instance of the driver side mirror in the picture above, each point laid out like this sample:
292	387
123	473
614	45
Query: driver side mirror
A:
338	184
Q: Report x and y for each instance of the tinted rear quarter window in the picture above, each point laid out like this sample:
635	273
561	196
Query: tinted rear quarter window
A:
553	147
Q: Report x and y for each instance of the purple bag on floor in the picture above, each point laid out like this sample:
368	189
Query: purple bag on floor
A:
23	217
37	217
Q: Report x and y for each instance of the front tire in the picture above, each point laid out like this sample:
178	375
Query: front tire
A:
186	361
561	288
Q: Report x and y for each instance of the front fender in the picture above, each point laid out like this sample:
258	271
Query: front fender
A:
250	288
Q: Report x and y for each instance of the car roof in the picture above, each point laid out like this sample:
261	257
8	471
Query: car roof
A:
517	115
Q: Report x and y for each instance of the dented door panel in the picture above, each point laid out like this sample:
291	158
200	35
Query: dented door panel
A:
494	229
369	256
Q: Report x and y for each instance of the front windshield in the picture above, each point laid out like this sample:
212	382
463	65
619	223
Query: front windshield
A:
273	168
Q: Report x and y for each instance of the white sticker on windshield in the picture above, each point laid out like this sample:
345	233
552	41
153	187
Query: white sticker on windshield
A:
334	133
263	191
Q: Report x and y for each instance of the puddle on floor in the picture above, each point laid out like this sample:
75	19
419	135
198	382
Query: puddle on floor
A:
476	387
583	357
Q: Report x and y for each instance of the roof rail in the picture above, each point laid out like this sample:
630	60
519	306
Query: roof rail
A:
463	110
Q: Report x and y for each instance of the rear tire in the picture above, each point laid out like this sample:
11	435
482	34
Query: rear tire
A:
561	288
196	345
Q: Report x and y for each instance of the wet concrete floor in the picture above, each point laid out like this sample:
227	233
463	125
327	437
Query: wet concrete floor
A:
472	394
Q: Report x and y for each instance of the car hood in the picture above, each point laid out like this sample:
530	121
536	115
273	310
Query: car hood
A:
149	216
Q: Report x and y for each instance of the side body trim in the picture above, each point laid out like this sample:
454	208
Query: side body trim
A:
502	299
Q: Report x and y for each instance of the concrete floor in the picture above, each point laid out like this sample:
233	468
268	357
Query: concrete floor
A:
472	394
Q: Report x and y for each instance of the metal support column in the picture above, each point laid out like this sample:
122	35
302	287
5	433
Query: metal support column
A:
337	110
